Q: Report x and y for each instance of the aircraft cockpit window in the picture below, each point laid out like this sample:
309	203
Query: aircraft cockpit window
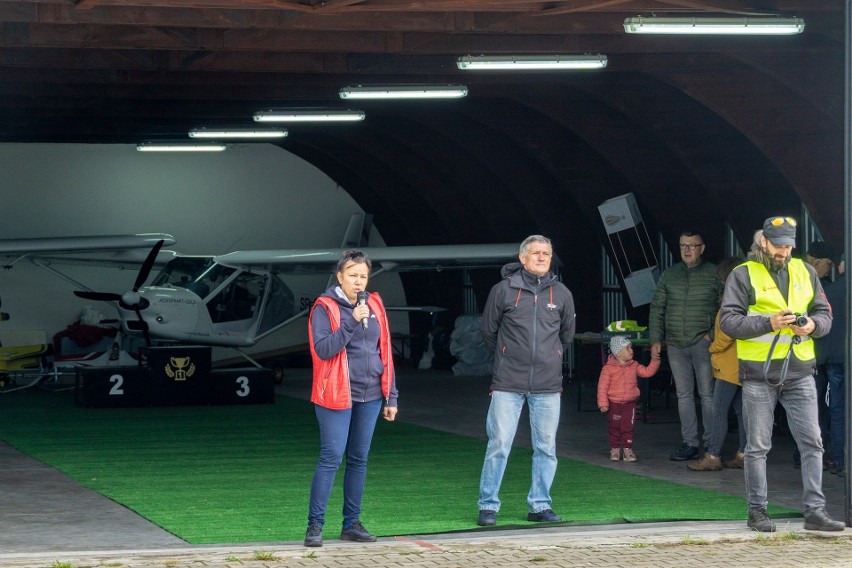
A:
238	300
198	274
279	306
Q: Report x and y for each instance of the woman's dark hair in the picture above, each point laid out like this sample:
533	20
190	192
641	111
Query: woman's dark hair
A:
726	266
353	255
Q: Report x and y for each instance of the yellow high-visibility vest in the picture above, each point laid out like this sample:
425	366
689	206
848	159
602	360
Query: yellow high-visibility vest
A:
768	301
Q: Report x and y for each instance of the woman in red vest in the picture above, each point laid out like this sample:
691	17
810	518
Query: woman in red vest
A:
353	382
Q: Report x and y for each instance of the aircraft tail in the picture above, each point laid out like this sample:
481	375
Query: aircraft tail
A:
358	232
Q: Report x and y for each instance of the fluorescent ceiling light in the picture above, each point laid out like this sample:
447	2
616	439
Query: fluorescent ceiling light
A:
309	115
404	92
238	133
180	147
715	25
522	62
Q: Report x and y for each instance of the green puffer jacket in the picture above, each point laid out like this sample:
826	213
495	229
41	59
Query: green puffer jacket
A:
685	304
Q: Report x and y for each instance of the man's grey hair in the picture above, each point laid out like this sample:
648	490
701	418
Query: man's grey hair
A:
534	239
757	251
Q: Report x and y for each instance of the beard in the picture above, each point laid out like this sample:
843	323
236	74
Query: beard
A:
775	262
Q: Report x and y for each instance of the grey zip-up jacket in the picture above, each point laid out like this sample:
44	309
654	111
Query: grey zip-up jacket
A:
528	321
735	320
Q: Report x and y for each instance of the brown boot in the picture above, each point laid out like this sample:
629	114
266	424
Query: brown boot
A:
735	462
708	463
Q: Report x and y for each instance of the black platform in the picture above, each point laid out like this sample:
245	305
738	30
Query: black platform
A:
173	376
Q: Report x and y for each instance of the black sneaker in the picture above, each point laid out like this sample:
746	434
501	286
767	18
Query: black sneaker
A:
758	520
314	535
684	453
837	470
487	518
546	516
357	533
818	520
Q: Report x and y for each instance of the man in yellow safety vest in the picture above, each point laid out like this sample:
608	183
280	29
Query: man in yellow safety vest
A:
774	306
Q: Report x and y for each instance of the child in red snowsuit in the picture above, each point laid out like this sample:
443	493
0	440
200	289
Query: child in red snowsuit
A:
618	391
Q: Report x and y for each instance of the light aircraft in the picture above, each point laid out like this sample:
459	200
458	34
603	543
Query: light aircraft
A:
235	299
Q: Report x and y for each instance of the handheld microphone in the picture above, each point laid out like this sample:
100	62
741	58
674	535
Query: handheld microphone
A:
362	299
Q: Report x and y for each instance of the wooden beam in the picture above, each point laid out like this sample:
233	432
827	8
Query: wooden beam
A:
87	4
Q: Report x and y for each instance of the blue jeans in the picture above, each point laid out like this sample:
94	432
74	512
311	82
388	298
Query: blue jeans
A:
799	399
349	431
836	410
725	394
690	367
501	425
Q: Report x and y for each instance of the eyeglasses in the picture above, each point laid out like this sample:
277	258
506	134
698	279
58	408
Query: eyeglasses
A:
778	221
690	247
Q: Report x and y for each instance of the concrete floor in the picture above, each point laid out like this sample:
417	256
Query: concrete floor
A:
42	510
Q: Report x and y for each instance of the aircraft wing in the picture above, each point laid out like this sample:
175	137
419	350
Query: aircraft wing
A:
79	244
402	258
123	249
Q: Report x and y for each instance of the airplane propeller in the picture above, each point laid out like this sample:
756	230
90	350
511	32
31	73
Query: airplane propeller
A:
131	300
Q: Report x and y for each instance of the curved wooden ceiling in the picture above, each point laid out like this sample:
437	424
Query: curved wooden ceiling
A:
703	130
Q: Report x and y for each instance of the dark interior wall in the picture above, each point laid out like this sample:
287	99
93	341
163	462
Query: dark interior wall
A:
694	138
706	132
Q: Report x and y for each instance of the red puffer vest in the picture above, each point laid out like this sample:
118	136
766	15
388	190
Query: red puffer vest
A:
331	376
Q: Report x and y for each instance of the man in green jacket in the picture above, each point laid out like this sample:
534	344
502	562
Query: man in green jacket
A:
683	311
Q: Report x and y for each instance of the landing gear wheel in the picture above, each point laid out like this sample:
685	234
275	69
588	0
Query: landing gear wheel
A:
277	374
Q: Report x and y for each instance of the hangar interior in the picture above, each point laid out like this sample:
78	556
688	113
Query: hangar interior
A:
710	132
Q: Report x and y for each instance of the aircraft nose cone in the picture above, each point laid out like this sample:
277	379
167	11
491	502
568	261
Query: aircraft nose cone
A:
133	301
130	298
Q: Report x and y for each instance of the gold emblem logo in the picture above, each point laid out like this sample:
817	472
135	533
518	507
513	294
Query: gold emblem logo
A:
180	368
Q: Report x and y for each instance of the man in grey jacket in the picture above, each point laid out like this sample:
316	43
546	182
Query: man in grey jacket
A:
528	321
774	306
683	313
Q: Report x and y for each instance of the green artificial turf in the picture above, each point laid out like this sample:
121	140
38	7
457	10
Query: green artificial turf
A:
227	474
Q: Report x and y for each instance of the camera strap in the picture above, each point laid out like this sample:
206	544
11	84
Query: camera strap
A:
785	365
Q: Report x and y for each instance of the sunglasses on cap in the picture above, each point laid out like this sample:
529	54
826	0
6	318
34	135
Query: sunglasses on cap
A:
778	221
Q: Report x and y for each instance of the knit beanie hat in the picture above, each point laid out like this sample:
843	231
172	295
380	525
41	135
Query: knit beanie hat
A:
617	343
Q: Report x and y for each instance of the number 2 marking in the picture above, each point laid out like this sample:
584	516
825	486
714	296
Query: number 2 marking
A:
117	384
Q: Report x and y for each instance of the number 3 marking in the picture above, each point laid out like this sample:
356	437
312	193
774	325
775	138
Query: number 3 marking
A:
244	386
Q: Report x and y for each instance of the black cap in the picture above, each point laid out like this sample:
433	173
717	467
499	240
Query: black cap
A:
780	231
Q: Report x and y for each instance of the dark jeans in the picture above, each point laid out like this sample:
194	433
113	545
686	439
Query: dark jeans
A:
725	394
349	431
836	376
690	368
